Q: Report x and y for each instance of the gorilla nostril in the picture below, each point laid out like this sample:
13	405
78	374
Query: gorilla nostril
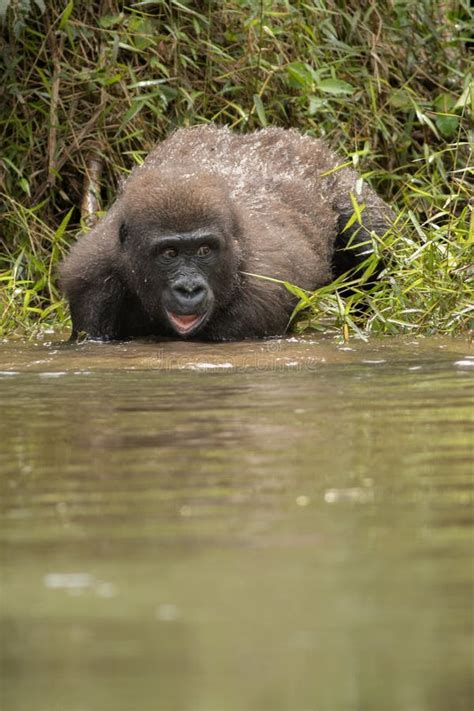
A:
189	290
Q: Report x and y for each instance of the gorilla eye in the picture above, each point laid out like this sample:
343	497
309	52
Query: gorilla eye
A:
204	250
169	253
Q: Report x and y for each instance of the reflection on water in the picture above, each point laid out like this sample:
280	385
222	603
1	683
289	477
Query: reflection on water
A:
244	527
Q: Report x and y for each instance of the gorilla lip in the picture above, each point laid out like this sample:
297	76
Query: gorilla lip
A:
185	323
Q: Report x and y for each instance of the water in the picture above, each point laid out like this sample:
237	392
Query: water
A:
268	526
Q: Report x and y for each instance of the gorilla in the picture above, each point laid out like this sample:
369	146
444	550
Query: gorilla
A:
178	252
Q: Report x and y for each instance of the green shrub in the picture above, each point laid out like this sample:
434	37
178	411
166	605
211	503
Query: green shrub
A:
386	83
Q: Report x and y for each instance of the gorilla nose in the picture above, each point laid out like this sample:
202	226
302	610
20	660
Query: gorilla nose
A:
189	294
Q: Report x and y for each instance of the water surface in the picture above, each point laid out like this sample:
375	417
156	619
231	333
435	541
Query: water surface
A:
261	526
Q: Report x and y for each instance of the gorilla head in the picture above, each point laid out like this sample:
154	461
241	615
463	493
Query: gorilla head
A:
179	248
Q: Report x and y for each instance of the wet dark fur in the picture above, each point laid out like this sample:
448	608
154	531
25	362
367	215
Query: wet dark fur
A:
273	196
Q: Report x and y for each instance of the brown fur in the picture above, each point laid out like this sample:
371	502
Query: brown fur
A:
275	197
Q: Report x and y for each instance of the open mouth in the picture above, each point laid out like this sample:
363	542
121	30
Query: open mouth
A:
185	323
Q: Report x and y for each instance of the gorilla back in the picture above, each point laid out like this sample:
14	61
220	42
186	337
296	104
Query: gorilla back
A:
175	253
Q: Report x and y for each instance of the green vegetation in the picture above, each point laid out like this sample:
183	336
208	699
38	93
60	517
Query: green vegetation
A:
387	83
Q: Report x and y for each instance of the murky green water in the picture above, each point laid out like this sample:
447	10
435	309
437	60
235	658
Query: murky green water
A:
243	527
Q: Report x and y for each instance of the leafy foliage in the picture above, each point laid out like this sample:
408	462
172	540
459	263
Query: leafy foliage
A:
387	84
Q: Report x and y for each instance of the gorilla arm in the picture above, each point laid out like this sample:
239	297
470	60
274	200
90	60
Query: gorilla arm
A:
353	244
90	279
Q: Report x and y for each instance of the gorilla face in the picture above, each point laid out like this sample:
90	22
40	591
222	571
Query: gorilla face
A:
184	272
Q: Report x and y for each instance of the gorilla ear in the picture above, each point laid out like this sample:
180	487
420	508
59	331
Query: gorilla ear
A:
123	233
